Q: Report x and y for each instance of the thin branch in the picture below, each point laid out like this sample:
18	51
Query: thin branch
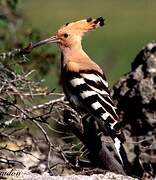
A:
17	53
40	106
10	161
18	151
50	145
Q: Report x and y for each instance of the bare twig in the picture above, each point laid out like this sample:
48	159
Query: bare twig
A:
10	161
17	53
46	104
23	150
50	145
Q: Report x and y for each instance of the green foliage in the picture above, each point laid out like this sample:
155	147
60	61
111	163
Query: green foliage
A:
12	3
9	3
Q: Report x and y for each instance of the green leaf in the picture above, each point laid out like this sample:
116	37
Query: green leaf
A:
12	3
3	23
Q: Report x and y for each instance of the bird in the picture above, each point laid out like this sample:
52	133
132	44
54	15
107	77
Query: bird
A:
84	82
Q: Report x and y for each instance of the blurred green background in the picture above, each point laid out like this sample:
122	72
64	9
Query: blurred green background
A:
130	25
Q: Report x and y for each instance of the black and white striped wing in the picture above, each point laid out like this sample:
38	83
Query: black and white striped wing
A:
92	91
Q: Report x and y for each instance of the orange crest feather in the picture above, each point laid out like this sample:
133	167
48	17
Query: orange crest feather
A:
82	26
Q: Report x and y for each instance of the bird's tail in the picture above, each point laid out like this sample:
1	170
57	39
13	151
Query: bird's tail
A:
118	140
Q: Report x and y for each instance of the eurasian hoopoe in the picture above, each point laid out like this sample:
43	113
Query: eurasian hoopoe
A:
84	82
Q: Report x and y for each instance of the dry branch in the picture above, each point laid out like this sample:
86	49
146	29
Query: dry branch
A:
17	53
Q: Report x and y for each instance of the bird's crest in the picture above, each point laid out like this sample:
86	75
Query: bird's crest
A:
82	26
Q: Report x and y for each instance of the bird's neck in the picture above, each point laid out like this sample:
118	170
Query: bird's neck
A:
75	59
74	53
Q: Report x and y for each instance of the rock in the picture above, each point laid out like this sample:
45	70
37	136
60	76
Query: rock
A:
135	97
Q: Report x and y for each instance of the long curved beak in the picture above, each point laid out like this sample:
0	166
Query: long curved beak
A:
53	39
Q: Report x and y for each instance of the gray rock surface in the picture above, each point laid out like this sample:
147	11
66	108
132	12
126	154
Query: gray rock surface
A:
135	97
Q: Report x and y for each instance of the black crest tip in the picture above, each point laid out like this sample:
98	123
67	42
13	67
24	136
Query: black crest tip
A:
100	20
89	19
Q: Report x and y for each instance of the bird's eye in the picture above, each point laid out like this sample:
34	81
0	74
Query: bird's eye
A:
65	35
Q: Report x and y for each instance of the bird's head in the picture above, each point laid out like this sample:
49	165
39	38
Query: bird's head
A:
71	34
